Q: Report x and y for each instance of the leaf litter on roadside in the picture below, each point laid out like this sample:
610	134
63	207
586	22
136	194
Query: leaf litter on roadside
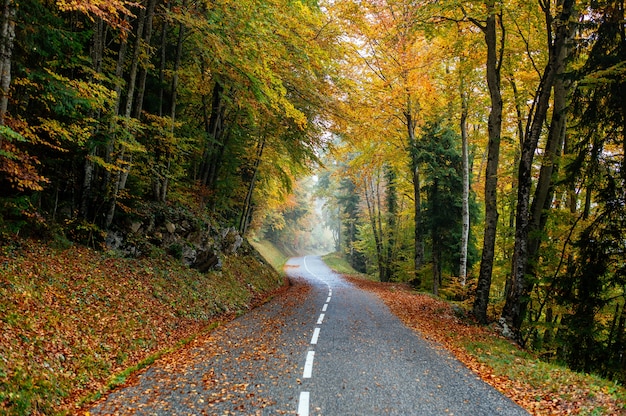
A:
435	320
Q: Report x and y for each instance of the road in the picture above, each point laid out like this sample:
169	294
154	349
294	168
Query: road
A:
322	348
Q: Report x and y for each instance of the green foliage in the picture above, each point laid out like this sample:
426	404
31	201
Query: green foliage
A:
439	152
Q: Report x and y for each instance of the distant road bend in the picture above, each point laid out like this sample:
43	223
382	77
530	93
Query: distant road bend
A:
324	347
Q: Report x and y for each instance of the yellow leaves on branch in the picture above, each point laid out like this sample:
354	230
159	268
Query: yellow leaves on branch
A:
20	168
114	12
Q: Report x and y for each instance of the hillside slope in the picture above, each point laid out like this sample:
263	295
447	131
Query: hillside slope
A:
73	321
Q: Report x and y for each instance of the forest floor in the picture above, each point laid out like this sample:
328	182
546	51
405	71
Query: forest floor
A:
540	387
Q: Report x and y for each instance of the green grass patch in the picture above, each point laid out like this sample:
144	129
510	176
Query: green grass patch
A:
272	254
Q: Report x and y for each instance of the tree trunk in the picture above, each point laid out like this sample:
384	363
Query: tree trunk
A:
246	211
97	57
371	209
111	182
518	288
435	237
491	172
213	121
417	198
7	39
465	227
144	68
392	212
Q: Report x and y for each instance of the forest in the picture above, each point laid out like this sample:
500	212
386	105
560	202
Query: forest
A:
475	149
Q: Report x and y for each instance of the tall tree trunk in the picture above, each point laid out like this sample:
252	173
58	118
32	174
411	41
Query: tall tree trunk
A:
111	182
519	286
144	68
246	211
493	65
418	234
97	57
163	177
436	239
370	198
392	212
213	121
7	39
465	227
126	160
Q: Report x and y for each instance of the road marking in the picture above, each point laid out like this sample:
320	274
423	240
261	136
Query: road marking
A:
308	365
316	334
303	404
328	299
320	319
324	307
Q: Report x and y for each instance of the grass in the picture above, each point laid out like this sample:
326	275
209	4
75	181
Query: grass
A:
336	262
275	257
75	322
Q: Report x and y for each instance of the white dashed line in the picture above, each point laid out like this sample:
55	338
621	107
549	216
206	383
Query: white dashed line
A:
303	404
308	365
316	334
304	400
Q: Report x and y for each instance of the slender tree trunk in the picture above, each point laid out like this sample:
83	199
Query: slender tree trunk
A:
494	62
134	63
371	209
163	61
518	288
97	57
435	237
7	39
392	212
246	211
418	234
111	183
144	68
465	227
127	160
213	120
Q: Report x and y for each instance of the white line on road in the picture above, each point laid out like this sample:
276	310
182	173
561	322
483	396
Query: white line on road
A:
303	404
328	299
316	334
324	307
308	365
320	319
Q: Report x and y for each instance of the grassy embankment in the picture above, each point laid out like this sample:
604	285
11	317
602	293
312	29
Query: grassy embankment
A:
542	388
76	322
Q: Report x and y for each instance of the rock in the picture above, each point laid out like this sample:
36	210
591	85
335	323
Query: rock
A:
505	330
206	261
134	227
231	240
170	227
114	240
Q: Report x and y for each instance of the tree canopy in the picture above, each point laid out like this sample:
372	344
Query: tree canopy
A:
475	149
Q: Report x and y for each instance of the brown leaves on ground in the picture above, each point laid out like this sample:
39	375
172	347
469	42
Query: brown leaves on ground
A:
70	319
226	371
435	320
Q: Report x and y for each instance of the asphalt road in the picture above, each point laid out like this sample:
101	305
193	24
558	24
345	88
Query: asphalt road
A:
322	348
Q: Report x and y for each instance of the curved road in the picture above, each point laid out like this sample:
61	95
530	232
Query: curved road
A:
322	348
